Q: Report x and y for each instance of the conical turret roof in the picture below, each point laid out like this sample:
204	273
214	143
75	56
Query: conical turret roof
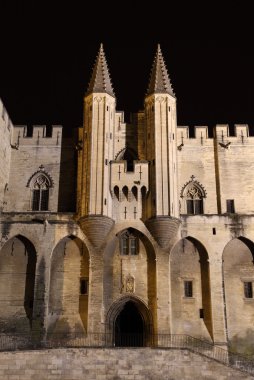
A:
159	79
100	80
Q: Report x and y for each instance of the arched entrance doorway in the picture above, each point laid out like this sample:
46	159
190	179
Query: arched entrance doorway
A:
129	327
129	323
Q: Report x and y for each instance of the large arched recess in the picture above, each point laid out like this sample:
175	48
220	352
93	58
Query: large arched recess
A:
146	330
191	315
238	269
17	278
118	268
69	287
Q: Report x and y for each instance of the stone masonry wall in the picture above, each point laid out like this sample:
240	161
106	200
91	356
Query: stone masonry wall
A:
103	364
222	165
33	152
6	128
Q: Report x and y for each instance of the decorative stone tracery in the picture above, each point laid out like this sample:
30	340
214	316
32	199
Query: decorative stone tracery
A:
193	194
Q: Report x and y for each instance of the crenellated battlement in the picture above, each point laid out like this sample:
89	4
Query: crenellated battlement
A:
5	118
220	132
240	131
39	135
119	116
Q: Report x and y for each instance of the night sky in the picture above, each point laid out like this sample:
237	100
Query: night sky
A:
47	54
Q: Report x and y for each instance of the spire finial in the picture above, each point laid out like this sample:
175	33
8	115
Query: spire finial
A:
159	79
100	80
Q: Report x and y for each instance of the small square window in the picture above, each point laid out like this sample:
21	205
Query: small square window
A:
248	289
83	286
188	289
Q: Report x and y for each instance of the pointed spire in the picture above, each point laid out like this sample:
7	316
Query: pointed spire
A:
100	80
159	79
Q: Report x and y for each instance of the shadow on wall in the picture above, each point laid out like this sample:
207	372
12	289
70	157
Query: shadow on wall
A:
17	280
243	344
191	308
68	175
238	271
39	300
68	293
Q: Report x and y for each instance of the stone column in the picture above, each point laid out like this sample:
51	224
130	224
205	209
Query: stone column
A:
41	290
95	302
163	295
217	301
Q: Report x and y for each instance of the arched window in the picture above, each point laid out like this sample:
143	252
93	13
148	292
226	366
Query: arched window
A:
193	194
40	183
194	201
40	193
116	192
128	244
125	191
135	192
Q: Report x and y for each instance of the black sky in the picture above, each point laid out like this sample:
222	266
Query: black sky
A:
47	53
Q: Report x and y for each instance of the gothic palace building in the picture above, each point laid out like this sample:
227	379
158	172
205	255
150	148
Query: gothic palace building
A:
128	228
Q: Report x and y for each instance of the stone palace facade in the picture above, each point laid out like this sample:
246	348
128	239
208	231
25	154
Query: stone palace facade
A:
129	228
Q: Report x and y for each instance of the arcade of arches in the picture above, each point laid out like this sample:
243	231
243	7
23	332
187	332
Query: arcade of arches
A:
131	290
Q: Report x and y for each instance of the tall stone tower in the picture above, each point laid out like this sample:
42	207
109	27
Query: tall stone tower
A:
160	114
161	151
99	114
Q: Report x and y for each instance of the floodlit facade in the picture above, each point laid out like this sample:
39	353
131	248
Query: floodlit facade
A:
128	227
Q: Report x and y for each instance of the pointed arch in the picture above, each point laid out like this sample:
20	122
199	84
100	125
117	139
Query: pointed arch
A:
127	154
40	183
144	203
116	192
17	283
134	191
69	286
238	288
193	195
119	268
117	307
125	192
249	243
190	282
33	177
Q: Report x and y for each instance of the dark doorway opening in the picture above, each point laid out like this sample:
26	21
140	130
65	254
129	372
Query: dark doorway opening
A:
129	327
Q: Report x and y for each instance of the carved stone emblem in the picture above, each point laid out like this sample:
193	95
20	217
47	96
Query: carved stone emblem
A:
129	285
